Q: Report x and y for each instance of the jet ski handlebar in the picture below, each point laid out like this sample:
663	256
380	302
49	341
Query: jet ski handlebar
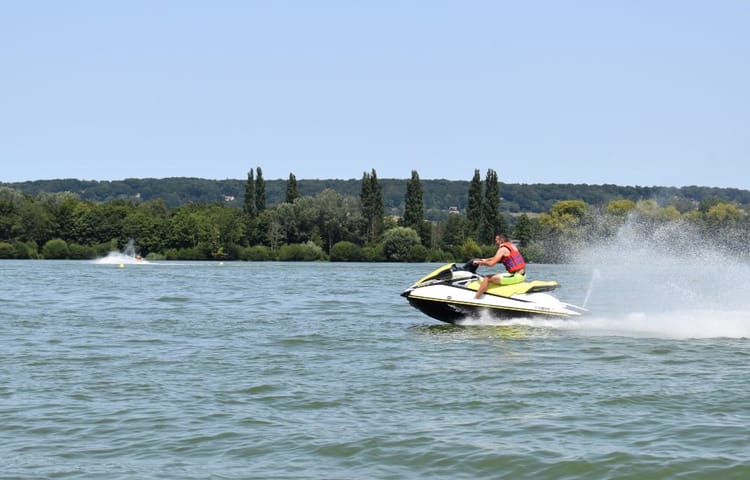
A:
470	266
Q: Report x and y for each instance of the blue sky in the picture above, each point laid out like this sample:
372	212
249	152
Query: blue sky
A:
621	92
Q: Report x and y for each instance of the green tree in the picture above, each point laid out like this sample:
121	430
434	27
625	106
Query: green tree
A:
257	253
371	205
146	224
260	191
36	223
290	221
523	230
620	209
182	229
650	212
365	200
569	209
80	252
9	218
378	209
147	230
95	223
708	202
454	234
82	224
398	242
301	252
345	251
470	249
60	207
474	206
7	250
224	231
561	229
491	221
291	189
55	249
249	205
418	253
337	217
724	215
274	232
414	203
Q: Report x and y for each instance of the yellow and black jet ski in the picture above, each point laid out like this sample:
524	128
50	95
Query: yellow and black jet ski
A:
447	294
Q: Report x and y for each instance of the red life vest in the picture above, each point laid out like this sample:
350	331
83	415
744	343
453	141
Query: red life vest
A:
513	262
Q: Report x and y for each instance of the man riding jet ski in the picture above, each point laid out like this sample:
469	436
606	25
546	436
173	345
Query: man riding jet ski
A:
511	257
452	293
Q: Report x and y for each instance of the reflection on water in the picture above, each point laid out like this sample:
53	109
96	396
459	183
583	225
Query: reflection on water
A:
507	331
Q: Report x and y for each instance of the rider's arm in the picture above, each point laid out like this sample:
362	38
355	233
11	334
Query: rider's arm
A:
501	252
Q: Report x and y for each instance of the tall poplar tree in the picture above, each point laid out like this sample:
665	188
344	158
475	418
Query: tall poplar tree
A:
260	191
371	199
378	208
291	189
414	203
249	206
474	206
489	224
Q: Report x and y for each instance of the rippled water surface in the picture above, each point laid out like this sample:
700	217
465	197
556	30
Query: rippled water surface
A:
288	370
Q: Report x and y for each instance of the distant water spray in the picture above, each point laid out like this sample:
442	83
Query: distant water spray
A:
666	280
129	249
126	257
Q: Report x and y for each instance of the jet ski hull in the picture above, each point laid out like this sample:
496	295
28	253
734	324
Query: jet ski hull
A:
447	295
454	306
454	312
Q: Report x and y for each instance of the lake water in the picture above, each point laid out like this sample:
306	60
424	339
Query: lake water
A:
175	370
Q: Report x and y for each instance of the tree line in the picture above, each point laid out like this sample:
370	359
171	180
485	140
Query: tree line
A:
439	195
330	225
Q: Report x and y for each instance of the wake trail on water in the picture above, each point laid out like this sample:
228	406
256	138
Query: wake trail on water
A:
665	281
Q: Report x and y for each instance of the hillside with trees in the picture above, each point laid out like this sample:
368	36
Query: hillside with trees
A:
438	195
370	219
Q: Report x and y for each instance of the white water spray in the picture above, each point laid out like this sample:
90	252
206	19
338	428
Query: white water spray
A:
666	281
128	256
595	275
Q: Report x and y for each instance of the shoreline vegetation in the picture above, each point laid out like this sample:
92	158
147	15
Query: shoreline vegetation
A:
368	220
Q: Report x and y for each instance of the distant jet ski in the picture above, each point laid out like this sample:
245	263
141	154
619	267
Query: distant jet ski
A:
447	294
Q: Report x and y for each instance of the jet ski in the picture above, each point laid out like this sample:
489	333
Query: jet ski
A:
447	294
